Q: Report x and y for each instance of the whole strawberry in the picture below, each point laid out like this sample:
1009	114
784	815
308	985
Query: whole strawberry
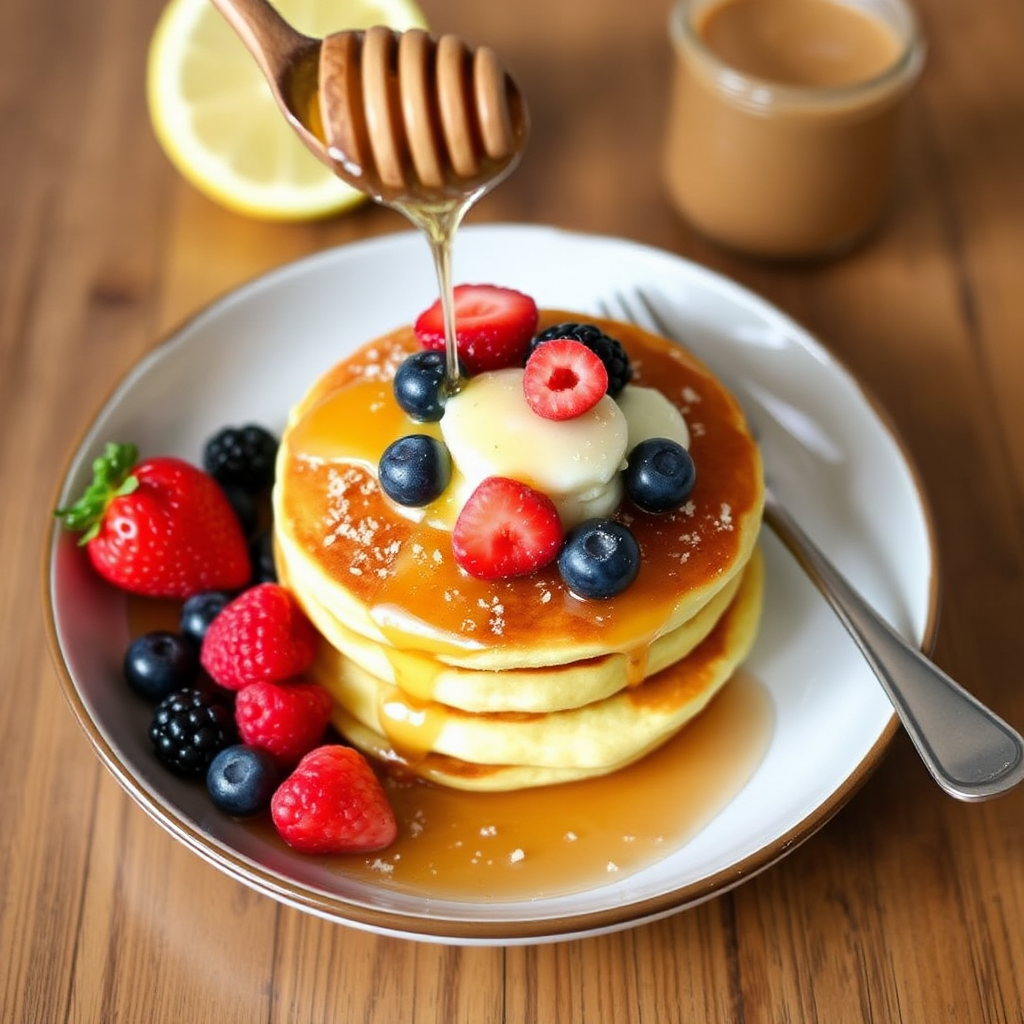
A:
160	527
333	803
288	720
262	636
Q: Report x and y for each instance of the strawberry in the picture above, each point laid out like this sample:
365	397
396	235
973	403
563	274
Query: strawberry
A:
262	636
563	379
506	529
493	326
287	720
161	527
333	803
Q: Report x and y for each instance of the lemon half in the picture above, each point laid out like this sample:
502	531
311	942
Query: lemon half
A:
214	115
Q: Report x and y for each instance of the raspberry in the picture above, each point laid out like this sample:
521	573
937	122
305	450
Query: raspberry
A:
608	349
333	803
189	729
506	529
286	720
261	636
564	379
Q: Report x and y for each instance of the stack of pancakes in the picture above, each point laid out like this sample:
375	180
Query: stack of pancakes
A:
512	683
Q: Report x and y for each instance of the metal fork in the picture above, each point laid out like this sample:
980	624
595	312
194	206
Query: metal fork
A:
968	749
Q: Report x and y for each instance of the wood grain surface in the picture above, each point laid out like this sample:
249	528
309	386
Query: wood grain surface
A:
906	907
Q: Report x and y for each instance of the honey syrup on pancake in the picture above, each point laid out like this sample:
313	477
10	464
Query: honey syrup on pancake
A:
403	571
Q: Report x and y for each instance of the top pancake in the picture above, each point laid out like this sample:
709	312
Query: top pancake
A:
393	580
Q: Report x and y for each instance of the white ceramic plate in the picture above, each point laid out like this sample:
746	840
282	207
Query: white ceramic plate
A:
250	356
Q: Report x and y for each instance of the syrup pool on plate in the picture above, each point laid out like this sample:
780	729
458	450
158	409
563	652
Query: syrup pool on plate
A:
560	839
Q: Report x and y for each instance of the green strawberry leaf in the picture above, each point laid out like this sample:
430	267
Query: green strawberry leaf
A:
112	478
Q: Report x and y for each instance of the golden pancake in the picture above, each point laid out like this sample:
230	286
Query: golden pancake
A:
504	751
350	557
533	690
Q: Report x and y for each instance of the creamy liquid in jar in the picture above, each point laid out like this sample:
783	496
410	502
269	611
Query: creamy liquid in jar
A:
783	119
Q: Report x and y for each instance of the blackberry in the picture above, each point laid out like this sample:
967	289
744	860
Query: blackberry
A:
242	456
189	729
607	349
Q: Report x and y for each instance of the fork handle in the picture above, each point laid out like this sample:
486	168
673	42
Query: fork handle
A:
971	752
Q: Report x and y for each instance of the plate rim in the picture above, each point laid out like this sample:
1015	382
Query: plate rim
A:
441	928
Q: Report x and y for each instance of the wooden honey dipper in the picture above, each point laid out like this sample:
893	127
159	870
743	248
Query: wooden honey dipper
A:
398	115
408	118
425	126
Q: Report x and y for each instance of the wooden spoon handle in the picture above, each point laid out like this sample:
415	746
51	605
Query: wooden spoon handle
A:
266	35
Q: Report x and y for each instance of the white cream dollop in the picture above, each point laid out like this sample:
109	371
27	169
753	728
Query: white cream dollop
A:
650	414
490	430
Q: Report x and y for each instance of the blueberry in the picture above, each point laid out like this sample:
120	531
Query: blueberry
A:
660	475
261	555
599	558
415	469
199	611
241	780
419	385
158	663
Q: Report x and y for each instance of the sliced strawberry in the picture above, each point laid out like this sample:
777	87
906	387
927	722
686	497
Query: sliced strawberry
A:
506	529
493	326
563	379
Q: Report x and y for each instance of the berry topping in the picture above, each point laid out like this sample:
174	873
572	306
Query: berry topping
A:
605	347
564	379
261	554
199	611
506	529
244	504
158	663
660	475
243	456
419	385
493	326
415	469
241	780
189	728
262	636
600	559
287	720
333	803
160	527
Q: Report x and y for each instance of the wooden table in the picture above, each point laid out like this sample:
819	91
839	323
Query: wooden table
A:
908	906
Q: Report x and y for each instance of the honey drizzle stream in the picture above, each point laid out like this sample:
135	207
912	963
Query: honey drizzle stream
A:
439	222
